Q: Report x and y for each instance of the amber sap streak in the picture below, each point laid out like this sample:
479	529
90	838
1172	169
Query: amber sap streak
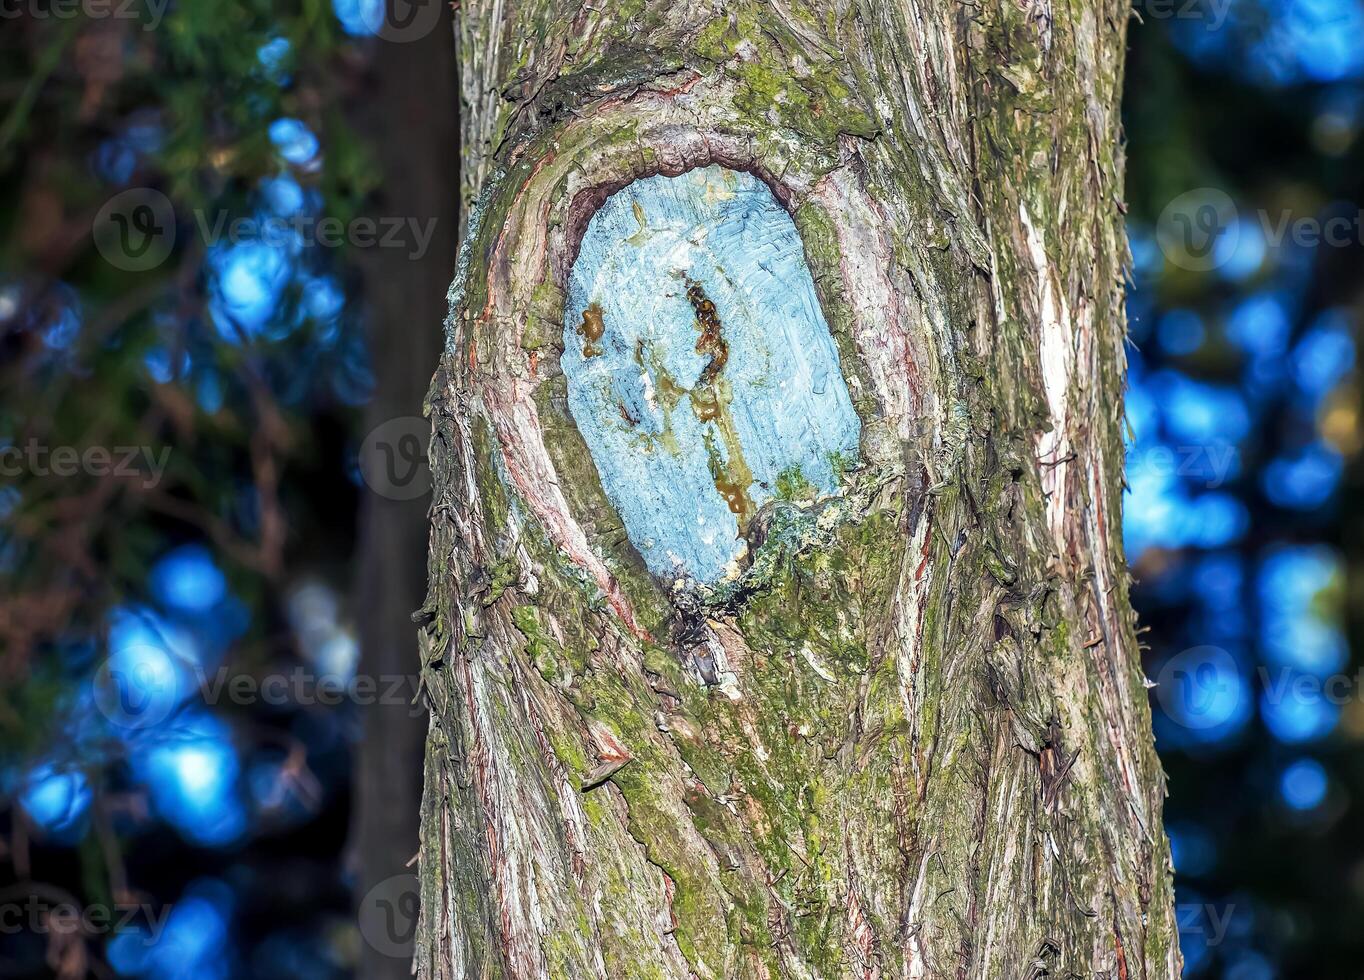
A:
591	330
710	400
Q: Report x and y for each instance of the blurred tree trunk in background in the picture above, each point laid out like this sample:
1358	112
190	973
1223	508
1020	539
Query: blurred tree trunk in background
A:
406	115
913	741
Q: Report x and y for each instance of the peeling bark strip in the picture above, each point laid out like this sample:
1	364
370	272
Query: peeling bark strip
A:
906	734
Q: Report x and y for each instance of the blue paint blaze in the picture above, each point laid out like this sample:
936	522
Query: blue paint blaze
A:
674	414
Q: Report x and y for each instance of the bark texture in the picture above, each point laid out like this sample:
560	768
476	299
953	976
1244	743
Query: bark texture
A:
912	739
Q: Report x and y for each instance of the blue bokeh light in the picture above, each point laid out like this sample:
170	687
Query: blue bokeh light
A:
55	798
64	318
294	141
1277	43
359	18
323	298
1303	784
1205	698
165	367
1303	480
1259	324
191	770
1324	354
188	580
150	671
1294	709
1193	849
1239	251
1297	632
274	57
1195	412
249	278
1249	965
1181	332
283	196
193	941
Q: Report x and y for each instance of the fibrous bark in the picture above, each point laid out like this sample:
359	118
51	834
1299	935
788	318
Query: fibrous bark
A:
911	737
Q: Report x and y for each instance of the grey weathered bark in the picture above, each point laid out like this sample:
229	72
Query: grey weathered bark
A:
404	115
930	755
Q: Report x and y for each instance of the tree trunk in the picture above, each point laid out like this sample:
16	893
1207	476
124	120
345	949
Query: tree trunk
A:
416	145
908	736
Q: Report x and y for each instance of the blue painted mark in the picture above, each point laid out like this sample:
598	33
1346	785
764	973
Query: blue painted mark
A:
700	367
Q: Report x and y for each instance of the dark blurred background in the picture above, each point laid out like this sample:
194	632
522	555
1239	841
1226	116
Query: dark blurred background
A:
1242	521
227	235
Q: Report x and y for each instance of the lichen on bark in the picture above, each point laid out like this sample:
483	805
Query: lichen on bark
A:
911	738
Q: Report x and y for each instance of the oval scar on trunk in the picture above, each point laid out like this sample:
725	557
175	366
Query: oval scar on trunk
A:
701	371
